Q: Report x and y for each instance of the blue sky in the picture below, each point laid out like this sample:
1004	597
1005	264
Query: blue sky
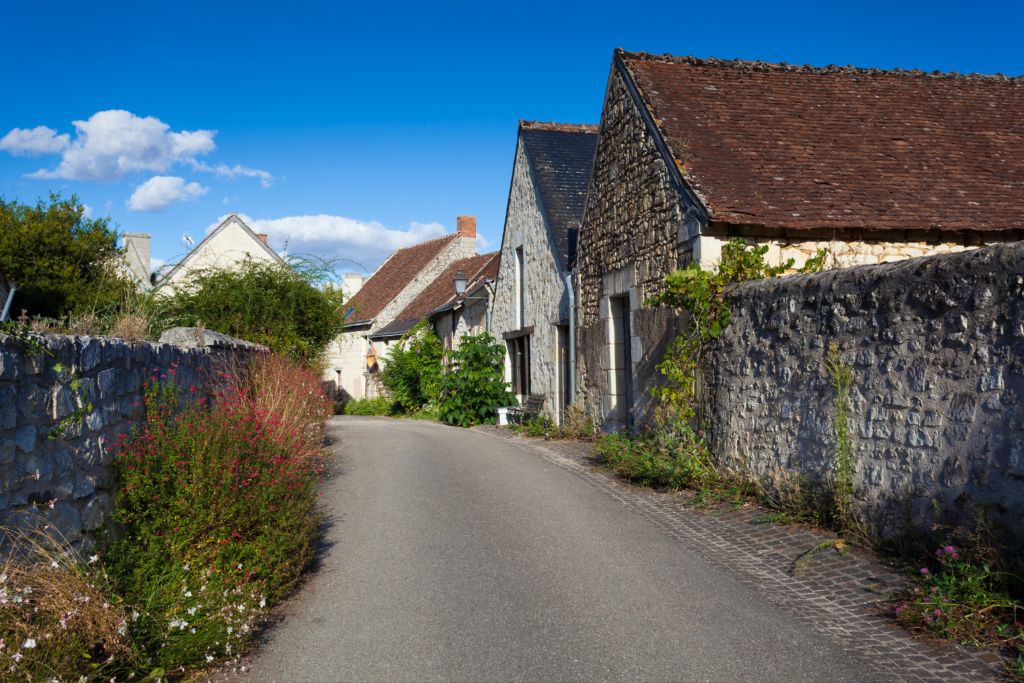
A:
353	128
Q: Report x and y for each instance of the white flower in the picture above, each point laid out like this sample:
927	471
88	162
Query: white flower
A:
188	594
193	630
53	564
3	577
17	656
230	629
229	649
263	602
192	612
28	589
209	658
183	624
239	565
186	567
135	616
93	558
29	644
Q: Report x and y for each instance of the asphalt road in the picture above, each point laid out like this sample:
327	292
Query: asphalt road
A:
451	555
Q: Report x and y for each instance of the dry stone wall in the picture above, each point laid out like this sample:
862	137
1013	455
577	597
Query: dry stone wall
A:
937	349
76	468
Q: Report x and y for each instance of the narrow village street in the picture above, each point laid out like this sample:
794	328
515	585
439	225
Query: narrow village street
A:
453	554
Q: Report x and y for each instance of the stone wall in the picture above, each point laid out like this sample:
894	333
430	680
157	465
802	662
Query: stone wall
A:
628	242
851	246
546	303
937	349
76	468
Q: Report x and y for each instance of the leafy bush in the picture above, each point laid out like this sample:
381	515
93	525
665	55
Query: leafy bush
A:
675	457
265	303
474	385
60	260
382	405
217	508
412	368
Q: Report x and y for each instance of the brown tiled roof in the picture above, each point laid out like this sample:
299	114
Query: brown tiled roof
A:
442	289
393	275
836	147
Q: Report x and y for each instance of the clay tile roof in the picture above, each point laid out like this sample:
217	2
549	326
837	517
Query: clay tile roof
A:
562	155
834	147
442	290
393	275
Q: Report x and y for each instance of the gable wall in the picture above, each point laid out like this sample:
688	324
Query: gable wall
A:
546	303
628	242
225	249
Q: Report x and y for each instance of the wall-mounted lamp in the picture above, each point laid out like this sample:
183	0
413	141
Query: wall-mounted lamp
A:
460	283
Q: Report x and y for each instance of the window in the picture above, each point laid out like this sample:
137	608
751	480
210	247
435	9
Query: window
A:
520	290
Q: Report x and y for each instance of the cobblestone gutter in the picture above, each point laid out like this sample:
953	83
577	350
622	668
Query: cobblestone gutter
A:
937	347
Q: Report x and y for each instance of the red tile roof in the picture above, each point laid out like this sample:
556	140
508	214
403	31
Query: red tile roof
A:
442	289
394	275
837	147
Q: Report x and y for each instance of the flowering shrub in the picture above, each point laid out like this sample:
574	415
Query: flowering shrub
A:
964	595
58	616
217	508
474	385
412	368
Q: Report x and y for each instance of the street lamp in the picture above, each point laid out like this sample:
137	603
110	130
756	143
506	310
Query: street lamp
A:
460	283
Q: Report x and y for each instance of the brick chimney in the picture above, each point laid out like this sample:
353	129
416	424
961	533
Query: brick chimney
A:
262	236
467	235
467	226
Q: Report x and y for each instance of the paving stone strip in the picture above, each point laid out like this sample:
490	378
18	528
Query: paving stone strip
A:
833	593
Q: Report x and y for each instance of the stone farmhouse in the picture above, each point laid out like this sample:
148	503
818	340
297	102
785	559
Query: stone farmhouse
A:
454	316
532	306
230	242
876	165
352	357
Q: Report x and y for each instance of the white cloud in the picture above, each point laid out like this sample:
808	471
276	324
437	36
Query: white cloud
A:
87	211
110	145
159	192
225	171
155	264
366	243
482	244
225	201
39	140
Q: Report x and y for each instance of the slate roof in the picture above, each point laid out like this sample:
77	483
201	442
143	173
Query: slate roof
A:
837	147
388	281
562	155
442	291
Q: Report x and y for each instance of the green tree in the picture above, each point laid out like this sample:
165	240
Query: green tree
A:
475	384
60	260
265	303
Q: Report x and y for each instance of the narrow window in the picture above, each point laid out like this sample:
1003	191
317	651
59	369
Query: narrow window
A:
520	290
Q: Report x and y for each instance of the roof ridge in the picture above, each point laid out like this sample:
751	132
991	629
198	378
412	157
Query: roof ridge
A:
783	67
560	127
432	239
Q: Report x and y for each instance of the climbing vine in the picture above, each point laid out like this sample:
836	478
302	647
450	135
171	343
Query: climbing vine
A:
700	294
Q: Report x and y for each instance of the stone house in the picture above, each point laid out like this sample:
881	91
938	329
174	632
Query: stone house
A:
230	242
351	361
532	305
875	165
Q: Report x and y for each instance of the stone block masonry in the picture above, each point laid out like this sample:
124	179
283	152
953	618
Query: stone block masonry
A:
77	469
937	348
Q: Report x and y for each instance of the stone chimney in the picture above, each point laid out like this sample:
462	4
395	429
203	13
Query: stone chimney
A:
262	236
351	283
467	234
136	247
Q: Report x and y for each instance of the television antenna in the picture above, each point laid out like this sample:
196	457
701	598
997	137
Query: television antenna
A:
186	239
